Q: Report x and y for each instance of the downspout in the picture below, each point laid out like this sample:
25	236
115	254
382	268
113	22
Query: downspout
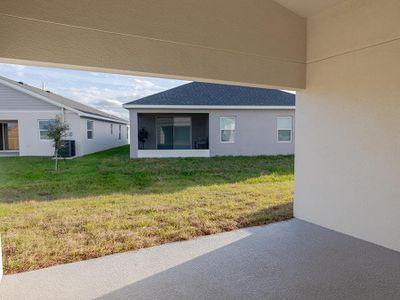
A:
63	114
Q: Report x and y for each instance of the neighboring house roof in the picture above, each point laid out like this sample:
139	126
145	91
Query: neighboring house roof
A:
81	109
209	95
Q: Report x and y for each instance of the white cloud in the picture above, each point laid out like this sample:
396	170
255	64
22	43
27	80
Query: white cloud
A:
18	69
110	99
144	83
104	91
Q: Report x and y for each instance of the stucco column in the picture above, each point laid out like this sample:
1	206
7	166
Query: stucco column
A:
347	123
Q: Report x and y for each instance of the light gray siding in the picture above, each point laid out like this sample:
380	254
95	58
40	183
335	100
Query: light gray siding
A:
102	137
30	143
256	131
28	110
13	100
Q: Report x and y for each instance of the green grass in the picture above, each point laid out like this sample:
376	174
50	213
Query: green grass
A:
106	203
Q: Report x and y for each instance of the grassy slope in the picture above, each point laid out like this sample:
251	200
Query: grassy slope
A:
105	203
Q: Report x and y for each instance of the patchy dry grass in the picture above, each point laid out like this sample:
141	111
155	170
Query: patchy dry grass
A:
106	203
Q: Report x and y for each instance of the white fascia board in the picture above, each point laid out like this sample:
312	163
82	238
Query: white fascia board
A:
232	107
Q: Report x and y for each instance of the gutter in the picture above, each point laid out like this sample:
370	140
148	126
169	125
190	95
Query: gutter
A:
89	116
231	107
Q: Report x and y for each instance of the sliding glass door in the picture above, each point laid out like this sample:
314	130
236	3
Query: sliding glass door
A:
174	132
9	139
182	133
165	132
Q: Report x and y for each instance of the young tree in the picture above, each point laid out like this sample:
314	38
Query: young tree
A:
143	135
57	131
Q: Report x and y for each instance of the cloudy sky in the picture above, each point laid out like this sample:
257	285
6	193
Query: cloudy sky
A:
103	91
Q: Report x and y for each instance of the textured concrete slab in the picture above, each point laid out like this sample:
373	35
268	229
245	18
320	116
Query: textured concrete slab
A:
287	260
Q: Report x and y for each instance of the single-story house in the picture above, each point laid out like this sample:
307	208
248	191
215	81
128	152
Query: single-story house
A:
26	113
204	119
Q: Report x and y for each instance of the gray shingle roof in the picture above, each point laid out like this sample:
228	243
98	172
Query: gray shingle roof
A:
209	94
64	101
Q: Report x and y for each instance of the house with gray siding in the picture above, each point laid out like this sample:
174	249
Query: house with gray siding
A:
204	119
26	113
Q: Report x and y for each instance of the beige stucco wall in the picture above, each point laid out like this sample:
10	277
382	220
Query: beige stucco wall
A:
348	122
209	40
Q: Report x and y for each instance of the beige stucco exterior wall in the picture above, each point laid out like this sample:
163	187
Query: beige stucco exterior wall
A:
255	42
348	122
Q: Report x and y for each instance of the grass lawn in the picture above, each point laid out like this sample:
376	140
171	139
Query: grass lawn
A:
106	203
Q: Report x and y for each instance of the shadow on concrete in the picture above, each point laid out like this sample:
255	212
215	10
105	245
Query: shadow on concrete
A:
290	260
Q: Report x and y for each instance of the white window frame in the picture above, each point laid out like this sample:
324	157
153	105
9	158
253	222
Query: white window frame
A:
111	128
290	129
220	130
89	130
119	132
40	130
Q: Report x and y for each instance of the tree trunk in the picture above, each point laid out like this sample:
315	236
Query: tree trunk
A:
56	165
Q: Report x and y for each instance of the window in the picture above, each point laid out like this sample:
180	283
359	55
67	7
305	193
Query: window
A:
44	126
284	129
227	127
127	133
90	127
119	132
111	129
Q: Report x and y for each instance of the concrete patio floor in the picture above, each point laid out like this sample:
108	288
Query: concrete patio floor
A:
287	260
